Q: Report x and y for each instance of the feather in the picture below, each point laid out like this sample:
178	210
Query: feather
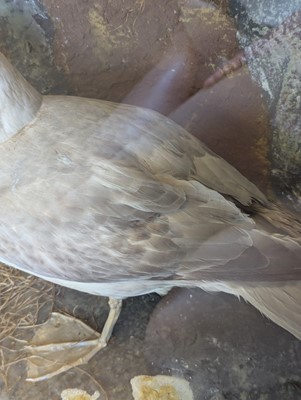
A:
281	303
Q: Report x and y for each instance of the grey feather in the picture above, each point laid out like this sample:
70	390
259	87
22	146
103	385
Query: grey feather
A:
280	303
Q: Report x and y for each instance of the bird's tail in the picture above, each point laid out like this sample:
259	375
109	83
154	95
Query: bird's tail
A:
280	303
268	276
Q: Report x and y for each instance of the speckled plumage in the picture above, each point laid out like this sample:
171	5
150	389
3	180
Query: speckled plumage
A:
119	201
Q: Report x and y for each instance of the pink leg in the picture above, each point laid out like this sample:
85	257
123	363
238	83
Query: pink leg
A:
237	62
290	26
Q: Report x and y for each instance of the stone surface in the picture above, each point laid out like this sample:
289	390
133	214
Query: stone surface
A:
273	59
26	36
223	347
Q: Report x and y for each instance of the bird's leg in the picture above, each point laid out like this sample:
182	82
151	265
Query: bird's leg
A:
115	309
64	342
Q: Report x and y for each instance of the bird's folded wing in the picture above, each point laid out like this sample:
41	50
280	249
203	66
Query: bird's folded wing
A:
165	147
264	258
159	145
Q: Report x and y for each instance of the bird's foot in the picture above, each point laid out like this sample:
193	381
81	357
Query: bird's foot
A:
64	342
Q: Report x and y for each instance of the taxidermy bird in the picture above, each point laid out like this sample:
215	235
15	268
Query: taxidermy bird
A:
118	201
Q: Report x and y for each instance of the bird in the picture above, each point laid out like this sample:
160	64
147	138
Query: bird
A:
117	200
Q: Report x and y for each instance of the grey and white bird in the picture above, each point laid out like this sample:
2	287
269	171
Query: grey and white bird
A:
118	201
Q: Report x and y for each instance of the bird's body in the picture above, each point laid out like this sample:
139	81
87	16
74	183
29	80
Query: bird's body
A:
113	196
119	201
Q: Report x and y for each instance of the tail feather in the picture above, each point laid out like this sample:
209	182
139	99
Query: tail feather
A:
281	304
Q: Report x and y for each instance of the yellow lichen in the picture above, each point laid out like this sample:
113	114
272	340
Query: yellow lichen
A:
166	392
78	394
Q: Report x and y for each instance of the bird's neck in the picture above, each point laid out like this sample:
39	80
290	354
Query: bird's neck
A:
19	101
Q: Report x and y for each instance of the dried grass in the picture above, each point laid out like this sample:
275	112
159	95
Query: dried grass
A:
22	297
